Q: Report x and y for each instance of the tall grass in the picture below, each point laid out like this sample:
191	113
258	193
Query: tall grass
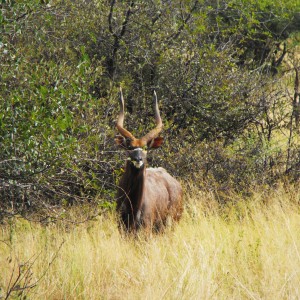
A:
242	249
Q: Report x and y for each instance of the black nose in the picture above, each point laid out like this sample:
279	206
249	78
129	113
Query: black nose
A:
138	158
137	155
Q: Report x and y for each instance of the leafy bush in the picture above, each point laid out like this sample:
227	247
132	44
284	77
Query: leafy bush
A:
62	63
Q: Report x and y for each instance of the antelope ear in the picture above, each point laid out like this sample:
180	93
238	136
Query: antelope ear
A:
156	142
120	140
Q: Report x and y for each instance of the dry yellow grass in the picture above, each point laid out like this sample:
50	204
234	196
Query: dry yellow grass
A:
242	250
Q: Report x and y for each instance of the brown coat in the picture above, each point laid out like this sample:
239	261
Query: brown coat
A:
148	197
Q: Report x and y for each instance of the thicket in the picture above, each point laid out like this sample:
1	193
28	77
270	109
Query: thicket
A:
230	112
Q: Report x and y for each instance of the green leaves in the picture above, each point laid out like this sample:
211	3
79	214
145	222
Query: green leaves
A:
63	61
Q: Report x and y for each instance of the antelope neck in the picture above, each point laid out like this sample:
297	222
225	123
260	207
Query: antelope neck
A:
135	184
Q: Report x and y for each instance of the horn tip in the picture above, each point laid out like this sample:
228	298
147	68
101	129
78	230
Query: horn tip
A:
121	97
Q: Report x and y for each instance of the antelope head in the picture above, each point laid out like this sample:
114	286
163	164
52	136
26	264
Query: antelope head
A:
137	147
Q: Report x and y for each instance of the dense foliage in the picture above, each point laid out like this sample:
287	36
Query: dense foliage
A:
216	66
